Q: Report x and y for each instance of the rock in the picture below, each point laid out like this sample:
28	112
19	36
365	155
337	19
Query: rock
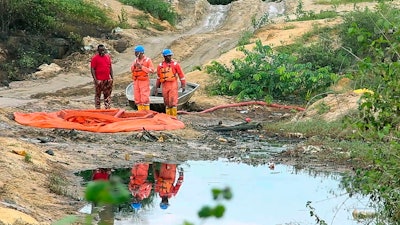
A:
46	70
50	152
121	45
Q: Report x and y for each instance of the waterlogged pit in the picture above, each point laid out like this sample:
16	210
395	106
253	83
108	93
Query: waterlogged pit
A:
267	194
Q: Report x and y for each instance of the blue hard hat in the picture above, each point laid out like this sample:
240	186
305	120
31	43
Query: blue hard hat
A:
139	48
136	205
166	52
164	205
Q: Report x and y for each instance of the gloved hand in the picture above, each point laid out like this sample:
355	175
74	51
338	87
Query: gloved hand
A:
183	89
181	171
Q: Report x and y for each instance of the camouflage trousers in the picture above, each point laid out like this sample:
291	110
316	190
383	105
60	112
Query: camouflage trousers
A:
103	87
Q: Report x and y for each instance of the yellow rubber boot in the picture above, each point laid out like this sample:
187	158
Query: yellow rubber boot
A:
174	111
146	107
168	111
140	107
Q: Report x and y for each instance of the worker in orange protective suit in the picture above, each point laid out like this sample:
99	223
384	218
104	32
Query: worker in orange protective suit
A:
165	186
139	186
168	73
141	68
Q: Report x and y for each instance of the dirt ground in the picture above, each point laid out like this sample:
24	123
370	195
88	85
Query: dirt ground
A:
41	187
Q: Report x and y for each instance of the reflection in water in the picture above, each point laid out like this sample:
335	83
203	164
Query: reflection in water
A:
165	185
139	185
106	212
147	180
261	195
106	215
101	174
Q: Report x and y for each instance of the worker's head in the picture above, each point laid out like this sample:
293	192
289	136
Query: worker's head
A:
167	53
136	205
101	49
138	50
164	203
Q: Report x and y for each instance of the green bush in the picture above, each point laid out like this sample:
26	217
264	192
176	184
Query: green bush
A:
302	15
323	53
372	36
265	75
362	28
29	52
52	17
380	111
35	22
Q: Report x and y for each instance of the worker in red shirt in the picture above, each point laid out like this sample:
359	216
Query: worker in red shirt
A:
102	73
139	186
166	184
168	73
141	68
101	174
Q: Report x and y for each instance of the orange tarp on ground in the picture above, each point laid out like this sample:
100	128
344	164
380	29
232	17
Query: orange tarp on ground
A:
101	120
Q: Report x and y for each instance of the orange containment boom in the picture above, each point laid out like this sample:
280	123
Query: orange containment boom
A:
100	120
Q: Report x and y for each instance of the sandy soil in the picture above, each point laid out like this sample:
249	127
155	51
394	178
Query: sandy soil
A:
27	184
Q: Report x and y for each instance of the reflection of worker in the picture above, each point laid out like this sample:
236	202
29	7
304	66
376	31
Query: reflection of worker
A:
102	73
141	68
165	185
107	212
139	186
168	73
101	174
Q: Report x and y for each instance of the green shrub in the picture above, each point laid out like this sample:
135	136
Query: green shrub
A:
245	38
37	22
123	19
302	15
323	53
53	16
310	15
372	36
265	75
362	28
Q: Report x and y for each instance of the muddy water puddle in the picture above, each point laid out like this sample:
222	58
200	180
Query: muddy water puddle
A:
169	194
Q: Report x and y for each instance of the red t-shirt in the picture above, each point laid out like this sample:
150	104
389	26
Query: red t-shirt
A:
101	66
101	175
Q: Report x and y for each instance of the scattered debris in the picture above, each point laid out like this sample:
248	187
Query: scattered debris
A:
295	135
240	127
20	152
271	165
363	214
50	152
